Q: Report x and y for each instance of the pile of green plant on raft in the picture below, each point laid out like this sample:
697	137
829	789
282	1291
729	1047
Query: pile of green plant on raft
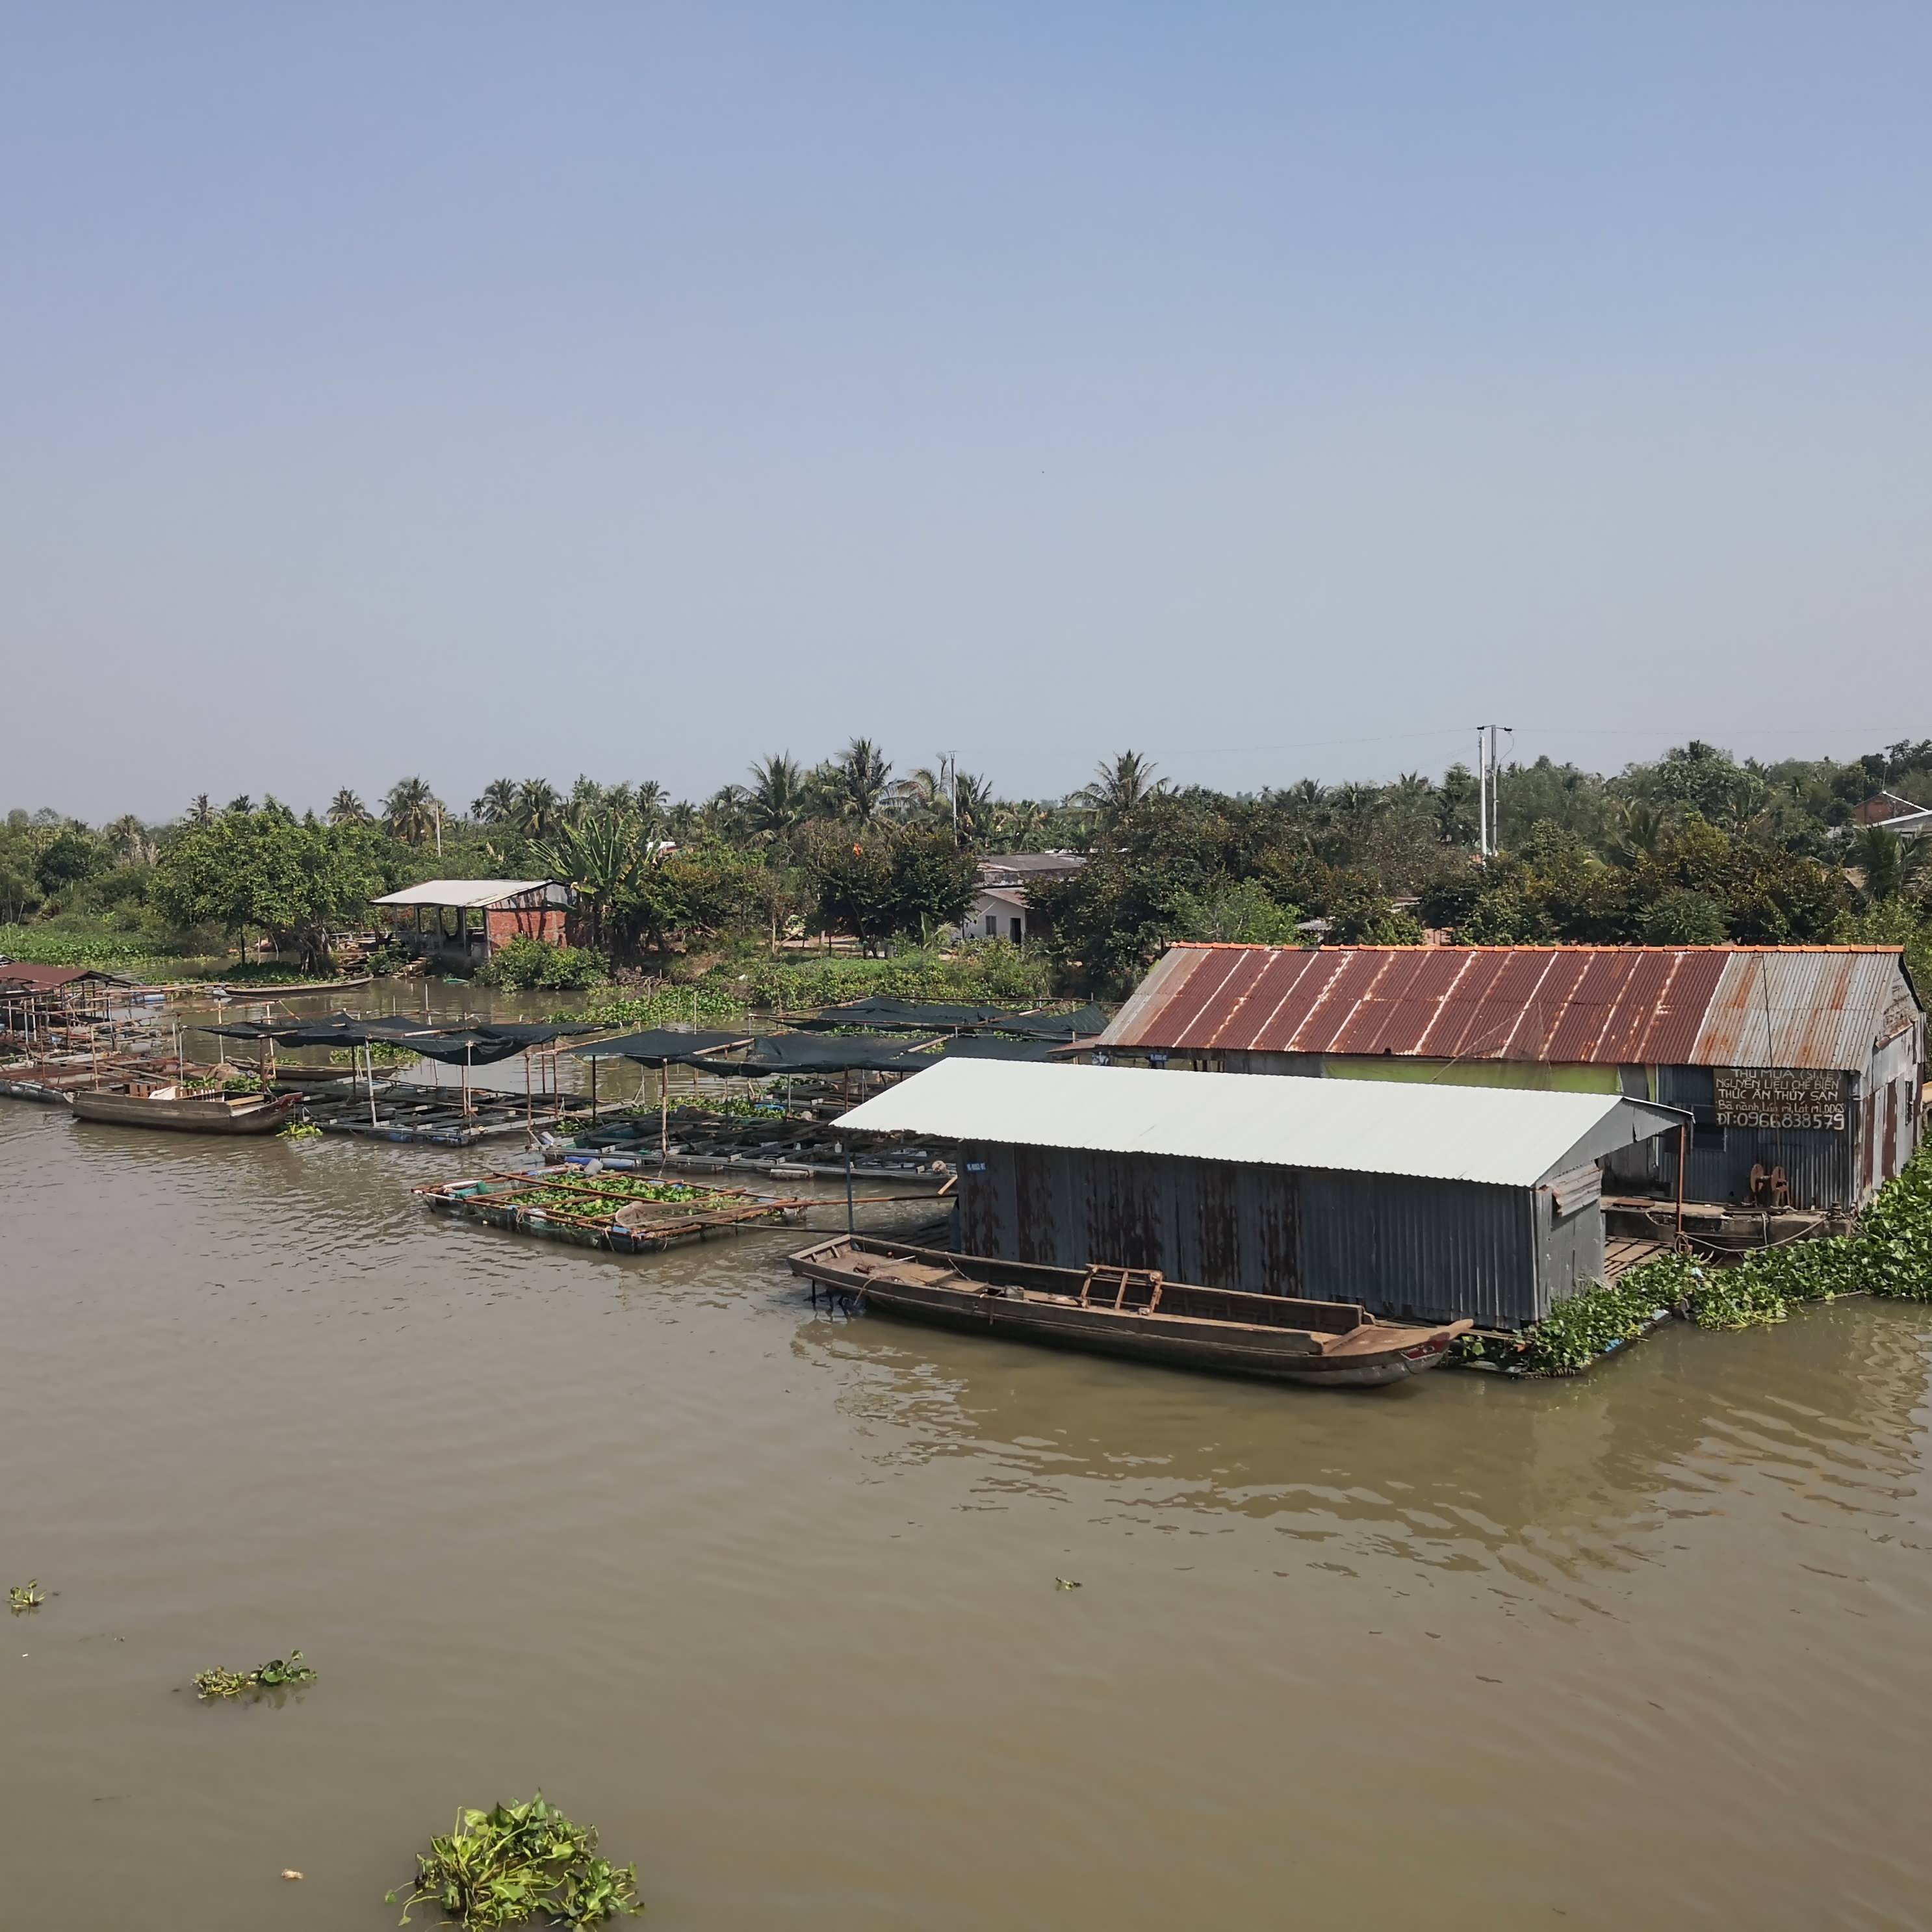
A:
1890	1255
610	1191
526	964
235	1084
518	1864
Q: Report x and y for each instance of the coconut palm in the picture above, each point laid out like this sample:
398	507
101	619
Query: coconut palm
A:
921	793
1637	830
127	839
199	811
586	795
648	802
411	810
1020	826
496	804
242	802
1120	784
779	799
974	809
346	808
537	811
855	781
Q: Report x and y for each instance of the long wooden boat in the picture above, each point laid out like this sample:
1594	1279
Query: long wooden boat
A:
167	1107
1130	1312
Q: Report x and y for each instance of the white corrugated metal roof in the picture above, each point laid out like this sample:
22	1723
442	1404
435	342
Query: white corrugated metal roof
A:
461	891
1504	1136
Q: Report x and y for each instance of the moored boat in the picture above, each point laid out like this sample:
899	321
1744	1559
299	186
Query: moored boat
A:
1132	1313
133	1106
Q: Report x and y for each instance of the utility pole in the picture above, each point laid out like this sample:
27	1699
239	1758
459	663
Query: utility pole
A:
948	769
1489	787
1482	795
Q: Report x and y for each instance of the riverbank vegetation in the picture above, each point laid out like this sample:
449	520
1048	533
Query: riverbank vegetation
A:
1693	847
519	1864
1890	1254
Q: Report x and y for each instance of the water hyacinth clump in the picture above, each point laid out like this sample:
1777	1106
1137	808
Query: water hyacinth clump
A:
519	1864
1890	1255
27	1596
270	1676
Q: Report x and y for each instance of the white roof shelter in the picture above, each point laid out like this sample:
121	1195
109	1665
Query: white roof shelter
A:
472	893
1504	1136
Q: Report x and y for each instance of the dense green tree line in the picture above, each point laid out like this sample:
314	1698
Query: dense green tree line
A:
1695	847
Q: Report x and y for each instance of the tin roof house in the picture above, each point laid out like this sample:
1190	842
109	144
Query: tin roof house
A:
1427	1203
1801	1065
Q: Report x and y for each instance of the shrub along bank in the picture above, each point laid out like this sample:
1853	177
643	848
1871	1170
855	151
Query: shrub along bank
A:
1891	1254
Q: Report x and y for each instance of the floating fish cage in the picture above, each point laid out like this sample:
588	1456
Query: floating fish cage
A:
774	1143
621	1212
405	1111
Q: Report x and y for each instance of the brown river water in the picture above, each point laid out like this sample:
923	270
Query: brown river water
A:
769	1595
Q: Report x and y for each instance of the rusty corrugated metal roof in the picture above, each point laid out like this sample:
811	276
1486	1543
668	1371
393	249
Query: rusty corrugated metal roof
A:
1690	1005
24	976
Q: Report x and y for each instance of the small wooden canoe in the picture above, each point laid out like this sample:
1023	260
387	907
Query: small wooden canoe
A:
133	1106
1130	1311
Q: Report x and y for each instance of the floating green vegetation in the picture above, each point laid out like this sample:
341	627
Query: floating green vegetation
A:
301	1130
517	1864
1890	1255
27	1596
270	1676
382	1053
592	1194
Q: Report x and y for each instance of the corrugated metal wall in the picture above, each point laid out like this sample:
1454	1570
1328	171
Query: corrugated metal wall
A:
1433	1249
1818	1165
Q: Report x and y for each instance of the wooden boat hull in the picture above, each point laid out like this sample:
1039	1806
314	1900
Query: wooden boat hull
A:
188	1116
1373	1354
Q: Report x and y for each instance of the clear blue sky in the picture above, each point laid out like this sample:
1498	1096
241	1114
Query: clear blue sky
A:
638	389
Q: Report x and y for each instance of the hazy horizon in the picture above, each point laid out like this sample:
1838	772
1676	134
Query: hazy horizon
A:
641	391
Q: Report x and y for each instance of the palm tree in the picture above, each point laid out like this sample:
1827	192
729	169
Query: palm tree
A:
411	810
973	808
920	794
539	811
1019	826
346	808
1880	855
856	781
199	811
648	802
127	839
779	800
586	795
1636	831
1120	784
496	803
242	802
